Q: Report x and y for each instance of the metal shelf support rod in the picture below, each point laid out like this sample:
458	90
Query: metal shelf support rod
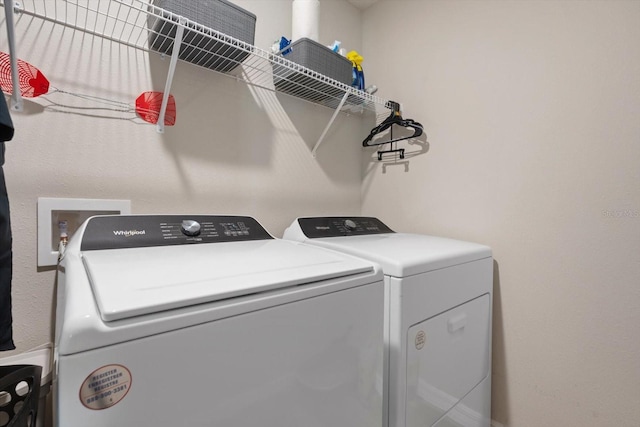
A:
16	96
172	69
333	118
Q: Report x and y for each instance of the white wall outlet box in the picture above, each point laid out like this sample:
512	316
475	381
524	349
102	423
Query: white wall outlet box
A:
52	211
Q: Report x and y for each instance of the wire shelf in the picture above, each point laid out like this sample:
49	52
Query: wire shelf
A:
140	24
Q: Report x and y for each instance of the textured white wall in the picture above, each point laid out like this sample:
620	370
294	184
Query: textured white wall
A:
532	110
234	149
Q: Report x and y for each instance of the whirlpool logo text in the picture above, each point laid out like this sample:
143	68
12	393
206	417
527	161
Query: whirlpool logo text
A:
129	233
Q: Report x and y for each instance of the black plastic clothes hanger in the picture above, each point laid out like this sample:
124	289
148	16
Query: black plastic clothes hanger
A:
395	118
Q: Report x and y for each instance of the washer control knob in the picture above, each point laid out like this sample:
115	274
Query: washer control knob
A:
190	227
350	224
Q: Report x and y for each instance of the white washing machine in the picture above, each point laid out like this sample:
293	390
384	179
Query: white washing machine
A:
437	318
210	321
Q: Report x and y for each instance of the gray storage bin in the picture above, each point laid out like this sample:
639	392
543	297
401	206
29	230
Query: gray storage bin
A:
219	15
316	57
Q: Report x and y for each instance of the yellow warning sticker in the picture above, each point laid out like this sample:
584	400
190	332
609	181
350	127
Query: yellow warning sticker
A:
105	387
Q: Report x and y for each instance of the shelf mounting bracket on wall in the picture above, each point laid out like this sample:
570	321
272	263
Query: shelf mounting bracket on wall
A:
16	97
172	69
333	118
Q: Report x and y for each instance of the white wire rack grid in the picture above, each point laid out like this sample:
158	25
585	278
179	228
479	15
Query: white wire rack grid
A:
142	25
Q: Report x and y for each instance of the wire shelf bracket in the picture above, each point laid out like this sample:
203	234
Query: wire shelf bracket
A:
16	97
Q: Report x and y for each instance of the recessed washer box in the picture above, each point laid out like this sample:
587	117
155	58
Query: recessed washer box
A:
52	211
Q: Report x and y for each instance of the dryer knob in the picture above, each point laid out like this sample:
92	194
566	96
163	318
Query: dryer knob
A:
190	227
350	224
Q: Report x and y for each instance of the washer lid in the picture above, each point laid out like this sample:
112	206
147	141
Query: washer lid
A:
402	254
137	281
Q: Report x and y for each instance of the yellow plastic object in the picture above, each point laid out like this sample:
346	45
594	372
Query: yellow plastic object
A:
356	59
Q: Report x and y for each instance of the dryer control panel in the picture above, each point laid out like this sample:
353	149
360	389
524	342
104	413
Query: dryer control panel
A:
335	226
139	231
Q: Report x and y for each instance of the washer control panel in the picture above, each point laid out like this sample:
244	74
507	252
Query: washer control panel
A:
335	226
139	231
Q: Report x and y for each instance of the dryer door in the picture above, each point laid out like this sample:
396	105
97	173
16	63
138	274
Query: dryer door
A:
447	356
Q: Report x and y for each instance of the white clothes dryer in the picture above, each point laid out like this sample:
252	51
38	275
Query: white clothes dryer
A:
438	304
210	321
